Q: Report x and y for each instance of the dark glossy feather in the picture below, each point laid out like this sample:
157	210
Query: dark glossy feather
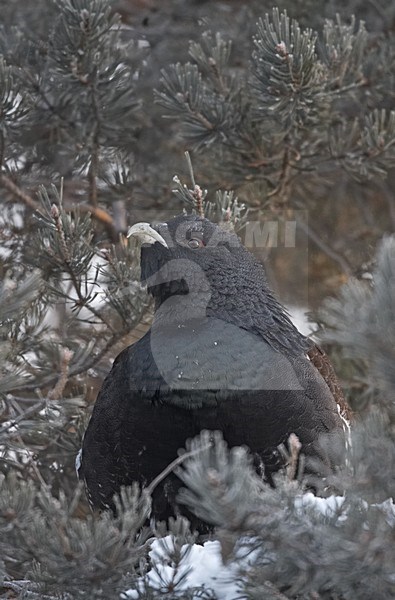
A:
221	354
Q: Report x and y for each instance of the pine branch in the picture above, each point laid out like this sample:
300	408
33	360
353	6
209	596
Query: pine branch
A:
18	192
76	369
172	466
327	249
100	214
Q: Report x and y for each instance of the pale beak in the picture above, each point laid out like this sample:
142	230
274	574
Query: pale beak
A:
146	234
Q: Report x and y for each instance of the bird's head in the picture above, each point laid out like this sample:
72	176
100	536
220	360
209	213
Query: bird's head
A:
195	268
191	254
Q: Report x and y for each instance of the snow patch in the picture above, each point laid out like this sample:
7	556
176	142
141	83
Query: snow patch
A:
300	319
200	565
203	565
327	507
78	460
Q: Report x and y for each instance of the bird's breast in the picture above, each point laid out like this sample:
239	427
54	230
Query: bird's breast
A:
208	355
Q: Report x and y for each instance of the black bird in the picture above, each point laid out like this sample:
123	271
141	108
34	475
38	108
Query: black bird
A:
221	354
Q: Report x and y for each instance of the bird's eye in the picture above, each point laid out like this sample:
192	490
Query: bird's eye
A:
195	243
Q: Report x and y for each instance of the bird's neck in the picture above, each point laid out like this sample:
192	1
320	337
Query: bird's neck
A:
261	314
257	312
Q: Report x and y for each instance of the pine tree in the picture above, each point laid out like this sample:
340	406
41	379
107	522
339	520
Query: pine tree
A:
286	112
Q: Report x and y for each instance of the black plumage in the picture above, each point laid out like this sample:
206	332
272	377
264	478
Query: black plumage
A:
221	354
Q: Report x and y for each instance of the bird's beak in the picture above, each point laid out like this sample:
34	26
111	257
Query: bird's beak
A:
146	234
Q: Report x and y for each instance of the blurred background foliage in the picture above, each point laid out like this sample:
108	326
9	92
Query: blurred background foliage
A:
288	114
